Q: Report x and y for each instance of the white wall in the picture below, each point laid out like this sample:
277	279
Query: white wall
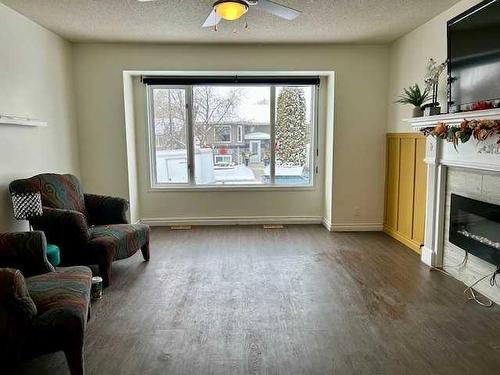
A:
360	123
35	81
408	59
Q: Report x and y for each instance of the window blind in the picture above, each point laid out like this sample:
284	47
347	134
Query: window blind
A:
230	80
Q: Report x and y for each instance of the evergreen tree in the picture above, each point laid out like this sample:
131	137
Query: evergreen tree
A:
291	127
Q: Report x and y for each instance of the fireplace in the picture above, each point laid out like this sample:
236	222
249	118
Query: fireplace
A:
475	227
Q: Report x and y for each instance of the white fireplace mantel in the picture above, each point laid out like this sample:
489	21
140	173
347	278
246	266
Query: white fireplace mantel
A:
440	154
453	119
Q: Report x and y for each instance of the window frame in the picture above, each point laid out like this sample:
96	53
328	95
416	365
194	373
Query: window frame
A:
239	134
223	157
191	184
230	134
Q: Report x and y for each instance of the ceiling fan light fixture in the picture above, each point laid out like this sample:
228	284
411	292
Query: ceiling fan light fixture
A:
230	9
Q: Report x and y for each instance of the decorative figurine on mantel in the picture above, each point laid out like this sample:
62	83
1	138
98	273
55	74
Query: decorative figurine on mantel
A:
434	71
416	97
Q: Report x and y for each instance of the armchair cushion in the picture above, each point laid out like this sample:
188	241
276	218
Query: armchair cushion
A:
124	239
65	289
25	251
104	210
57	190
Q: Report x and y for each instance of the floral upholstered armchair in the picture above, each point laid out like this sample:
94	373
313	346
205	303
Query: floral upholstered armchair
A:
89	229
42	310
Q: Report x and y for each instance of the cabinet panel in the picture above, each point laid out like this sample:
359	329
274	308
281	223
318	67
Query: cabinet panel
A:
406	175
391	211
420	192
406	187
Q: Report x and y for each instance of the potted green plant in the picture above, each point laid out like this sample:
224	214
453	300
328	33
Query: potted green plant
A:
415	96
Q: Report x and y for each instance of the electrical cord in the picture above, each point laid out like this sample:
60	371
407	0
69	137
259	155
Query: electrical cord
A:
473	296
442	269
493	280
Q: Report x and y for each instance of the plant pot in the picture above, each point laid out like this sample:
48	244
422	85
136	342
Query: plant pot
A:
417	112
432	111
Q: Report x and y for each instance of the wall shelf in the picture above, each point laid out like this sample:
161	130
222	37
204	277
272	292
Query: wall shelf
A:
21	121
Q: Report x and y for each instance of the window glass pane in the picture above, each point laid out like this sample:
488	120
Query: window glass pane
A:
240	134
222	134
231	132
169	135
294	135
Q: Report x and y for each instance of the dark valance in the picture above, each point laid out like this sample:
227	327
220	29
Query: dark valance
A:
231	80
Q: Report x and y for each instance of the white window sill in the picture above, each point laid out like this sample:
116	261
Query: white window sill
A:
248	188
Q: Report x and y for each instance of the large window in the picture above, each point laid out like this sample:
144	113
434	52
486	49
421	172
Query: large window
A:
232	135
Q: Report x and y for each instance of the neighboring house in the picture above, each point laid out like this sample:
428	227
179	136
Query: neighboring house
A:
233	142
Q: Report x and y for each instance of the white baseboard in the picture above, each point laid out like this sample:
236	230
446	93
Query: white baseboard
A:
327	224
355	227
427	256
236	220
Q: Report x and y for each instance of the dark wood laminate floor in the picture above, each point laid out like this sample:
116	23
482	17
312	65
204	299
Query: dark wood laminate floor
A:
243	300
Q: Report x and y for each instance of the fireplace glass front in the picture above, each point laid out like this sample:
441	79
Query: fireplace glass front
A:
475	227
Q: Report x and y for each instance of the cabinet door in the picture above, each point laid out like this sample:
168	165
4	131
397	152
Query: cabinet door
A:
420	192
392	188
406	187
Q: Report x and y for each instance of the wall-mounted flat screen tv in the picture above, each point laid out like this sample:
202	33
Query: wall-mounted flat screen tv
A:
474	57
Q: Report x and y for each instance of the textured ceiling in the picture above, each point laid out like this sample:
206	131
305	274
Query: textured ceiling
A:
179	21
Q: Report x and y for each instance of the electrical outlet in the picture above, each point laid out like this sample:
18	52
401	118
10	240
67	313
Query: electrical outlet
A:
357	211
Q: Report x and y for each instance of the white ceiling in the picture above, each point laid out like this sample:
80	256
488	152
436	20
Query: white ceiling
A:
179	21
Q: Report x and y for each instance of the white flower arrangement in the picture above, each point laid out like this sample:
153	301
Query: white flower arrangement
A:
434	71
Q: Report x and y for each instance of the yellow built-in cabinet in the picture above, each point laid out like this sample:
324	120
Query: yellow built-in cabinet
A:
405	190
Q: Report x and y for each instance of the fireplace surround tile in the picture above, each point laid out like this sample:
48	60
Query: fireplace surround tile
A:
464	181
491	187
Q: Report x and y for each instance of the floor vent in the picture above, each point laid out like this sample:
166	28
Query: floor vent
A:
273	226
180	227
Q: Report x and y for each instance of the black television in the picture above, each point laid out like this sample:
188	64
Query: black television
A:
474	57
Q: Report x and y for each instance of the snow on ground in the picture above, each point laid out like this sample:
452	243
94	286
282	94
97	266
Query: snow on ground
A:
285	171
235	175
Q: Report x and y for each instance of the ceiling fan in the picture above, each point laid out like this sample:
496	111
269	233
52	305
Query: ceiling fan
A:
231	10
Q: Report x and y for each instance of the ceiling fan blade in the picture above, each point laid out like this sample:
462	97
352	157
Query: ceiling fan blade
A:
278	9
212	19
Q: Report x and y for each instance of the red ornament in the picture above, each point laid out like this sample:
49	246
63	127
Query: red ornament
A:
482	105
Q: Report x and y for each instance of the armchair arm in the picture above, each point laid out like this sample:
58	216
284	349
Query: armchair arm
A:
25	251
17	311
65	228
104	210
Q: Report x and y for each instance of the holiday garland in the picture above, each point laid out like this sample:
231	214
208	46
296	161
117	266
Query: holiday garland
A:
480	130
